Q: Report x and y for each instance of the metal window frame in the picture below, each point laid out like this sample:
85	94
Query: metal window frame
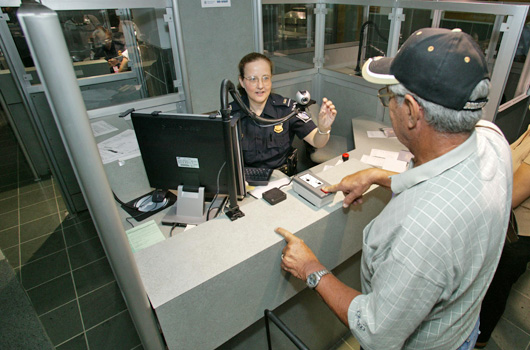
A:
181	100
515	14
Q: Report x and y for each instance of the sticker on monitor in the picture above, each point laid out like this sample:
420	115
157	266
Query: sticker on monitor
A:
186	162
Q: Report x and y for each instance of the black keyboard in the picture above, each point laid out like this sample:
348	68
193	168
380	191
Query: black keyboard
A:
257	176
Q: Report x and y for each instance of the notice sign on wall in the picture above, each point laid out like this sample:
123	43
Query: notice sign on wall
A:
215	3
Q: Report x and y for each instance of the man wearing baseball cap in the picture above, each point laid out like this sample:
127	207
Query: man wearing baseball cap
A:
430	255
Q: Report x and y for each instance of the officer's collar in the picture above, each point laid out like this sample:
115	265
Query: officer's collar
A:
235	105
273	101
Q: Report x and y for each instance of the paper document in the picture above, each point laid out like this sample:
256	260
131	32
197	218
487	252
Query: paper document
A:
120	147
377	134
326	167
382	133
102	128
388	160
144	236
398	166
258	190
384	154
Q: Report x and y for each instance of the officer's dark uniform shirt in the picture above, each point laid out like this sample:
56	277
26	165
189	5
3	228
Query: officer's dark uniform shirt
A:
111	52
268	147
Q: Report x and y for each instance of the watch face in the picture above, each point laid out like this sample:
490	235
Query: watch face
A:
312	280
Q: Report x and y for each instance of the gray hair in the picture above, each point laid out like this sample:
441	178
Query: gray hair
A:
444	119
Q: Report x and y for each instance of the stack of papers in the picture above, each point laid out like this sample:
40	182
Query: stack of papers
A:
120	147
381	133
388	160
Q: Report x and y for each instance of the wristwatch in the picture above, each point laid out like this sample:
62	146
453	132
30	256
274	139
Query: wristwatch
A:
314	278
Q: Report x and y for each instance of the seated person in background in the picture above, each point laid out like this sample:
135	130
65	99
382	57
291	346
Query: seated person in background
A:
106	47
516	252
270	147
121	63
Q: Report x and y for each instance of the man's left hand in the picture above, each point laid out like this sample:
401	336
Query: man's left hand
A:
297	258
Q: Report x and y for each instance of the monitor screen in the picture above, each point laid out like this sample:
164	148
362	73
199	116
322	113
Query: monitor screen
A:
512	117
187	150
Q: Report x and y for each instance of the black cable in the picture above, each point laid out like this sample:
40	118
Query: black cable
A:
361	39
122	203
287	184
216	193
228	87
133	217
171	231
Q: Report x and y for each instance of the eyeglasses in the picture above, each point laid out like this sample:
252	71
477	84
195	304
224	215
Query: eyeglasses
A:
385	95
265	80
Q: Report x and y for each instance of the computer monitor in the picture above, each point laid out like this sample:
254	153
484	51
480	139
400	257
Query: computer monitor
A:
512	117
188	153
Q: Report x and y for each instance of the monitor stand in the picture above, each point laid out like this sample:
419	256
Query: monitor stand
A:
191	208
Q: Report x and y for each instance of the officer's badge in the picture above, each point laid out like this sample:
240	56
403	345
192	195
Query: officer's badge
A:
284	101
278	128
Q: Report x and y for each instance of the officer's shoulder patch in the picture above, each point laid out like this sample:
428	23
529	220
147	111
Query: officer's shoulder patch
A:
303	116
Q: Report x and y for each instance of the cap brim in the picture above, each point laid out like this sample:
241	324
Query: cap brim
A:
377	70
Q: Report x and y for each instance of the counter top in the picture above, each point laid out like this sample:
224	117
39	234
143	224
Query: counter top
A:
221	275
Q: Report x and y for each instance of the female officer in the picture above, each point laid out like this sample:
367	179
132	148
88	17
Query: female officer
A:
270	146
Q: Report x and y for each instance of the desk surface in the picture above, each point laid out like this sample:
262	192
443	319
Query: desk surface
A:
221	269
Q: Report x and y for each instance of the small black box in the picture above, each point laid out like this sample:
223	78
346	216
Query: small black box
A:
274	196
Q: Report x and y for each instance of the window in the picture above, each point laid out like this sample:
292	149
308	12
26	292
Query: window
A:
289	36
127	53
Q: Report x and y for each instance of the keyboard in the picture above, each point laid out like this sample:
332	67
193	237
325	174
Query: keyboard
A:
257	176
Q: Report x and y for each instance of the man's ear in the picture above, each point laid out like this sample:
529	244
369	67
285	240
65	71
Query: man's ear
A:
415	112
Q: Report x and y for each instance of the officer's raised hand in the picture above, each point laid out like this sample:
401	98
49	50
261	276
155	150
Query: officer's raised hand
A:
326	116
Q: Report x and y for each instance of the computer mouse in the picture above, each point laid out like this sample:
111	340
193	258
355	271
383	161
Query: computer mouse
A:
158	195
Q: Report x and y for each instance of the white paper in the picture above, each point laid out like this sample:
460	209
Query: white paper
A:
102	128
384	154
327	167
144	235
120	147
258	190
376	134
374	161
398	166
215	3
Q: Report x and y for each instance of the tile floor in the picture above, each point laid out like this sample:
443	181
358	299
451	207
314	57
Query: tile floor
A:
59	260
63	269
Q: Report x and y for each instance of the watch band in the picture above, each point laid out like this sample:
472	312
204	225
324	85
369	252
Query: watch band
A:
314	278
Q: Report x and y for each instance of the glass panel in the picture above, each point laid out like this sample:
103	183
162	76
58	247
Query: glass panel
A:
3	63
521	55
378	32
414	19
289	36
345	29
103	43
478	25
343	26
